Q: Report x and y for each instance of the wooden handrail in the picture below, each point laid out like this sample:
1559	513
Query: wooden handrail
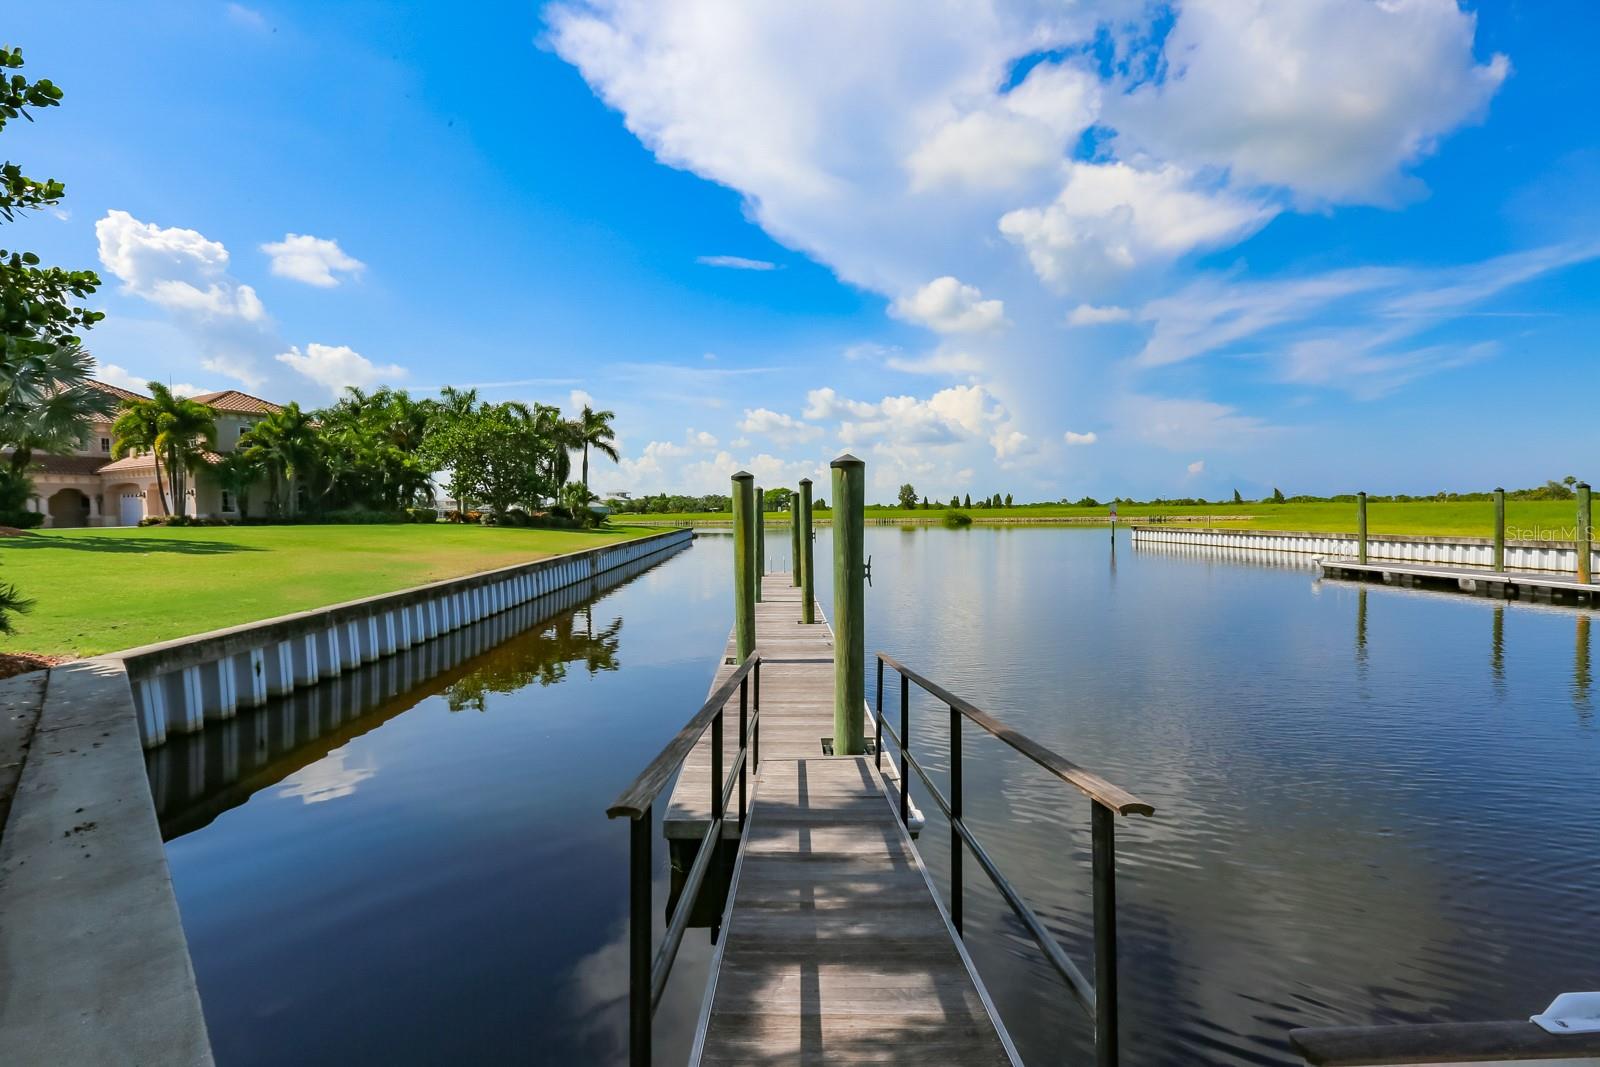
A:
635	800
1088	783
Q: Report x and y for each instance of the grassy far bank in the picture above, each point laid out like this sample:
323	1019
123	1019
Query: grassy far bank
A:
1525	519
99	590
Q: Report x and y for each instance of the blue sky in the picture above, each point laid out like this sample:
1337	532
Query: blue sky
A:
1047	249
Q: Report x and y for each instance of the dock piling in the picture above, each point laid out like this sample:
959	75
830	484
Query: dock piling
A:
761	539
808	566
1584	532
849	569
745	578
794	539
1499	529
1361	527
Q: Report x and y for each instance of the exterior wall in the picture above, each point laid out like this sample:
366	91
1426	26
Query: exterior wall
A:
179	685
1559	556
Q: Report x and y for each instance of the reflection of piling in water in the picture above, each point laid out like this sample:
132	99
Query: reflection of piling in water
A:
1580	665
1497	649
196	777
1361	627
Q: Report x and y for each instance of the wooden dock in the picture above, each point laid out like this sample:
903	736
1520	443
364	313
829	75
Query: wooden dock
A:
796	708
836	947
1544	585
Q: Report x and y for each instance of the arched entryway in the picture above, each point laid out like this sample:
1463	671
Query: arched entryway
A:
68	507
125	504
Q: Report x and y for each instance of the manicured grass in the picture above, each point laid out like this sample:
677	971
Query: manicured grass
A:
99	590
1525	519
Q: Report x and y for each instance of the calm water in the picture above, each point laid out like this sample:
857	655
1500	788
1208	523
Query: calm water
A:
1373	805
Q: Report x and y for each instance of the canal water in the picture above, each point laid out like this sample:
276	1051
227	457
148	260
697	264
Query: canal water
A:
1373	805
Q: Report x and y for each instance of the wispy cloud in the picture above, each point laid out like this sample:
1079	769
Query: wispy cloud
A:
736	263
1354	329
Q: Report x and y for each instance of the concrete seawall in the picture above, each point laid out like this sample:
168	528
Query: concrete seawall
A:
180	685
94	965
1555	556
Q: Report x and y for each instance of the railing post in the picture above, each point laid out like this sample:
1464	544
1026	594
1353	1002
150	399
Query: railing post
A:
1105	935
1499	529
1585	535
744	739
761	539
955	817
1361	527
849	571
744	563
755	737
905	750
716	771
639	930
808	567
794	539
877	720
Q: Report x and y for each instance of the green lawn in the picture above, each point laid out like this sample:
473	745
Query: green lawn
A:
1527	519
99	590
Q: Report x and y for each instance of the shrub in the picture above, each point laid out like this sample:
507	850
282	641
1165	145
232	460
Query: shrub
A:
957	519
361	517
423	514
21	520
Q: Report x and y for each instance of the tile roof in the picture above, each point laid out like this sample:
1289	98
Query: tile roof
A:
116	391
233	401
131	463
68	464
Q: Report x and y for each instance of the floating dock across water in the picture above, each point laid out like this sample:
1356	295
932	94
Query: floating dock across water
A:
1534	584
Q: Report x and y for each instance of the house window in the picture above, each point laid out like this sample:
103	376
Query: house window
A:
105	444
227	501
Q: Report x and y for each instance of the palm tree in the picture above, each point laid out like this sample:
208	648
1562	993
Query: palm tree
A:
238	471
592	429
175	429
47	403
285	445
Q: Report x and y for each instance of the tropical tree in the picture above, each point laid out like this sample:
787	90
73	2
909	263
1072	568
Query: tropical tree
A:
592	429
175	429
285	445
237	472
41	308
47	403
372	450
576	498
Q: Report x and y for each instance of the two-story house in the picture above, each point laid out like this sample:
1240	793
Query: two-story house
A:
89	488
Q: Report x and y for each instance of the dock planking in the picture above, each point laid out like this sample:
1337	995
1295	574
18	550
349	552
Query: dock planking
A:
796	708
835	948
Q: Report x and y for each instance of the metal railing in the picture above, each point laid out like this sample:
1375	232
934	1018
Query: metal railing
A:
647	974
1099	998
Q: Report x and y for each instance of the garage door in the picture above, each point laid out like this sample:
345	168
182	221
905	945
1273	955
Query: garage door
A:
132	509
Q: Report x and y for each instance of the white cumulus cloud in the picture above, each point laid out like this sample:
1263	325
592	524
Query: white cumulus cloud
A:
1089	438
1114	218
785	429
177	269
948	306
312	260
1325	97
1090	315
338	366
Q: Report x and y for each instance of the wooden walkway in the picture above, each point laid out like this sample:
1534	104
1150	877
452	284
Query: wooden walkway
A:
836	948
1466	579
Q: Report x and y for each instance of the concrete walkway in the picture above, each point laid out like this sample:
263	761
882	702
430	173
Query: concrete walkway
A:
94	968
